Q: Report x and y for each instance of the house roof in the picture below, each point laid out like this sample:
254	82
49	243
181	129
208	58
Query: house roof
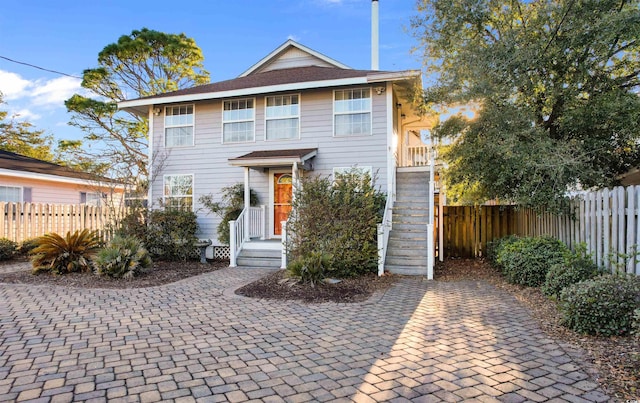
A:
20	163
274	157
285	47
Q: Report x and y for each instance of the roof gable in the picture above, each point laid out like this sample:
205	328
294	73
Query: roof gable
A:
291	54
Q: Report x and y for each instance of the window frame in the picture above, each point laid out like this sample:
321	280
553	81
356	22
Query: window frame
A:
164	185
253	119
266	119
369	111
21	192
192	125
98	198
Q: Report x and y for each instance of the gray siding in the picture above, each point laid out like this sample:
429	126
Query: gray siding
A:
208	159
293	57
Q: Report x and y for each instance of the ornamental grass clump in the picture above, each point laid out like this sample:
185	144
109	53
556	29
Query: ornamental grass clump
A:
60	255
311	269
603	306
125	257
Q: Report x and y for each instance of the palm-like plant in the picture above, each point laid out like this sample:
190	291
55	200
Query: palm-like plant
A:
60	255
124	257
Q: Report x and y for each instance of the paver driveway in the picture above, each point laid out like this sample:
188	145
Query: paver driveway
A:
196	340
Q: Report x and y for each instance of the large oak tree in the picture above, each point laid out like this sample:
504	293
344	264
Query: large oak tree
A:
555	82
144	63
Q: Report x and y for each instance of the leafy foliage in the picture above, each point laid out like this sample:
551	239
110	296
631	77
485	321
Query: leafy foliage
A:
311	269
495	246
125	257
8	249
144	63
555	86
171	234
20	137
68	254
578	266
337	219
168	234
604	305
526	261
27	246
636	322
229	208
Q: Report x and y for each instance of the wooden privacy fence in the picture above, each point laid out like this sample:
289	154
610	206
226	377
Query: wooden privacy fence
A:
22	221
606	221
467	229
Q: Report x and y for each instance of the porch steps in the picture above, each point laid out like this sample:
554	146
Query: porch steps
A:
267	254
407	247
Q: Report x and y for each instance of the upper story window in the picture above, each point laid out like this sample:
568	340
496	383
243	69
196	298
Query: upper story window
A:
11	194
352	112
178	192
178	126
238	118
282	116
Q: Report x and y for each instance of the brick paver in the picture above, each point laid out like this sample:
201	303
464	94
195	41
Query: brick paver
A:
195	340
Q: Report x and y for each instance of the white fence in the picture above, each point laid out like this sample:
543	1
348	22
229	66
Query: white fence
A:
607	221
23	221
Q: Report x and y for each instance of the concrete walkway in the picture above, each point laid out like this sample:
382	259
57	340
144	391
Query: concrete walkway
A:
197	341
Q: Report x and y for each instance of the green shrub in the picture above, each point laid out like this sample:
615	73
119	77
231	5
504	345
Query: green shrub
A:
171	235
604	305
635	325
337	218
125	257
59	255
8	249
495	246
310	269
526	261
578	266
229	208
27	246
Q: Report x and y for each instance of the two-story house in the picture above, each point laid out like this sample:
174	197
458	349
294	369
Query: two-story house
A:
295	112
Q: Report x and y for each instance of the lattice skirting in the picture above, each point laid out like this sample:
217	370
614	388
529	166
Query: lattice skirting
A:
221	252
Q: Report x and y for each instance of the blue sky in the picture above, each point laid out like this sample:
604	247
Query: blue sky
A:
67	36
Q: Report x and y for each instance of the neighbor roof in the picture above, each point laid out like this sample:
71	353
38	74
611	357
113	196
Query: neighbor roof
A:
17	162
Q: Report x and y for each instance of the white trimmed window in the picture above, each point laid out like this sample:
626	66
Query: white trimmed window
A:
92	198
238	121
178	192
282	116
178	126
11	194
352	112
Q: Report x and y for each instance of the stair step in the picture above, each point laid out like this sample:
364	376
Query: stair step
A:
403	235
400	243
407	254
258	262
406	271
261	253
406	261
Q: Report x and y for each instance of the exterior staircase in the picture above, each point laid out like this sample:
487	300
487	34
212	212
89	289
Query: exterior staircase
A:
407	248
263	254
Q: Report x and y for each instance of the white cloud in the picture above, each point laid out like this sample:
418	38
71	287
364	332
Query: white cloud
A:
25	114
12	85
55	92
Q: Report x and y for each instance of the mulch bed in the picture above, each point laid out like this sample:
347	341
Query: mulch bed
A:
277	286
161	273
613	361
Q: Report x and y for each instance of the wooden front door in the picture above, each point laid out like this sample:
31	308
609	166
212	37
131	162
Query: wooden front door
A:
282	192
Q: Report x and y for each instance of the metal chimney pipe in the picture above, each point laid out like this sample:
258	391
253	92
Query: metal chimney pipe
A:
375	57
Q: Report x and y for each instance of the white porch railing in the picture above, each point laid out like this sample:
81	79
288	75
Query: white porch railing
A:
283	264
249	224
416	156
384	228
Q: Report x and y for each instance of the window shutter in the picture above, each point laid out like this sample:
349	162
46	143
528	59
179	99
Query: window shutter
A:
26	195
83	197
